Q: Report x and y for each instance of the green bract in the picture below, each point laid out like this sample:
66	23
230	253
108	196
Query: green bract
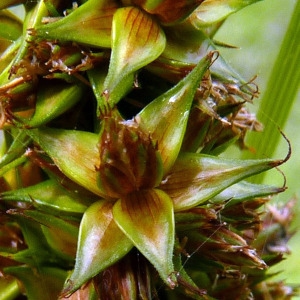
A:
90	24
137	40
213	11
113	116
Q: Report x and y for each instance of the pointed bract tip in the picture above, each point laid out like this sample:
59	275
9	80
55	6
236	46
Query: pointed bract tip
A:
68	289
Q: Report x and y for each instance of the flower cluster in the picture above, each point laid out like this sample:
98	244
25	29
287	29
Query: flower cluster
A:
114	114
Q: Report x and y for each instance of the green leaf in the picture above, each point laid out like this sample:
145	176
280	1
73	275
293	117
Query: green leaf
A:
100	244
147	219
136	41
74	152
166	117
89	24
49	197
50	281
195	178
52	102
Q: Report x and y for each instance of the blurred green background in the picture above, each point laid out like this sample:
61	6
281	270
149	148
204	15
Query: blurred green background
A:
258	31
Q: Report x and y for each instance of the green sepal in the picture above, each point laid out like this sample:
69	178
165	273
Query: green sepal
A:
214	11
195	178
48	196
100	244
53	102
74	152
136	41
89	24
50	280
147	219
166	117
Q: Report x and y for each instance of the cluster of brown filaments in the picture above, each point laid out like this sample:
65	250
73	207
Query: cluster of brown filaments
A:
224	104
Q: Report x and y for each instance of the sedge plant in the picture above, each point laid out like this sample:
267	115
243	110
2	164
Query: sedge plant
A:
114	115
